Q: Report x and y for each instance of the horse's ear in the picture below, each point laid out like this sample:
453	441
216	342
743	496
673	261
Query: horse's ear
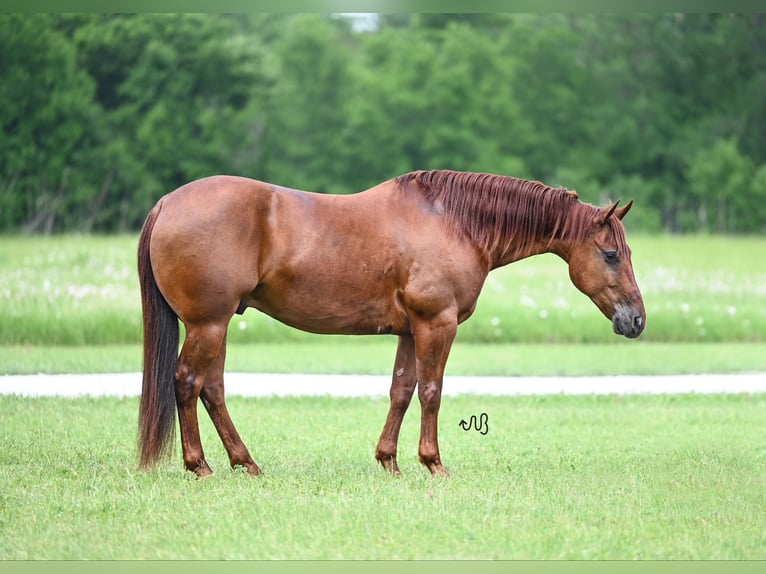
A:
620	213
606	212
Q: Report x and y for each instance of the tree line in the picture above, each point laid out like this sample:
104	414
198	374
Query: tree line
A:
101	114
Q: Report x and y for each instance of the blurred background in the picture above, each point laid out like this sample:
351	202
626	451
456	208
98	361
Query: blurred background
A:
101	114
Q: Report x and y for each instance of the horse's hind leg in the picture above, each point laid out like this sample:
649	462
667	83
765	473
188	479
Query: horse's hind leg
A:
199	351
402	388
212	396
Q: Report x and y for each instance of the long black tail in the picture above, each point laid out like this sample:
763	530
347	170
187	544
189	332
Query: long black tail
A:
156	417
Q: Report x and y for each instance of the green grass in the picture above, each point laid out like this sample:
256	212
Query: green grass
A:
375	356
82	290
634	477
662	477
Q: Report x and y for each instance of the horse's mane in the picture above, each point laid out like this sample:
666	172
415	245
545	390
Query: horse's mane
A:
498	213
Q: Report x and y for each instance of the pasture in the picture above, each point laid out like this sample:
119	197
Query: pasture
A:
634	477
83	290
71	304
608	477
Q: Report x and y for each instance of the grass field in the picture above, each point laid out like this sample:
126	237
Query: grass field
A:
71	304
83	291
631	477
375	356
663	477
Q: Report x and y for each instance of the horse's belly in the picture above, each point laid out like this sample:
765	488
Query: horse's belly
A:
334	312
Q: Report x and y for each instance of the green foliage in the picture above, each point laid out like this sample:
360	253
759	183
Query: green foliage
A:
46	116
103	113
717	177
304	132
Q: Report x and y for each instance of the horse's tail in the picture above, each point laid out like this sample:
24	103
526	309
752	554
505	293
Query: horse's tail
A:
156	415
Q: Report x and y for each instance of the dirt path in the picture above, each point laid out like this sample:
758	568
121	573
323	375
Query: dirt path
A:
259	385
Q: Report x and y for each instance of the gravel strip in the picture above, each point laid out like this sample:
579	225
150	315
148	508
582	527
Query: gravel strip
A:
264	385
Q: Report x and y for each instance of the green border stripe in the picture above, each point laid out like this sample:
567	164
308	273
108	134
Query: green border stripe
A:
386	6
403	567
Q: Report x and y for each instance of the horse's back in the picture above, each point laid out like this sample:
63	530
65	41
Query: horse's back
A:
217	239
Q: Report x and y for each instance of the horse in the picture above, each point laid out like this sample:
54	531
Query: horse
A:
407	257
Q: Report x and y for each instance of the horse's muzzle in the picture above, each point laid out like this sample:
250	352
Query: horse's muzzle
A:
628	321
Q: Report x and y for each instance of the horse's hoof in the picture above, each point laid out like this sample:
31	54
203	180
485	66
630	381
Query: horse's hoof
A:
437	469
389	464
202	470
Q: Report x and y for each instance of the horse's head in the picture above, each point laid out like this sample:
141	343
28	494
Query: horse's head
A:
600	267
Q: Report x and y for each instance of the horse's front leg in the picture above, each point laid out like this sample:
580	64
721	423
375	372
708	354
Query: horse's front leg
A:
433	340
402	388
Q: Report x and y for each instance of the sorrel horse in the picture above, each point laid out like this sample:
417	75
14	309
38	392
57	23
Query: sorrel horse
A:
407	257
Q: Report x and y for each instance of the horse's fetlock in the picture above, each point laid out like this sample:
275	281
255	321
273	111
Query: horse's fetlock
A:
385	454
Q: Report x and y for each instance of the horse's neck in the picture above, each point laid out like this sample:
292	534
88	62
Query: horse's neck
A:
538	247
521	249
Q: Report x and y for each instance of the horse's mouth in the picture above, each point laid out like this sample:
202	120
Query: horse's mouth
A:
629	325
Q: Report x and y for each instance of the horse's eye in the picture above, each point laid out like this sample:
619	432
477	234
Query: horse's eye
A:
611	256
